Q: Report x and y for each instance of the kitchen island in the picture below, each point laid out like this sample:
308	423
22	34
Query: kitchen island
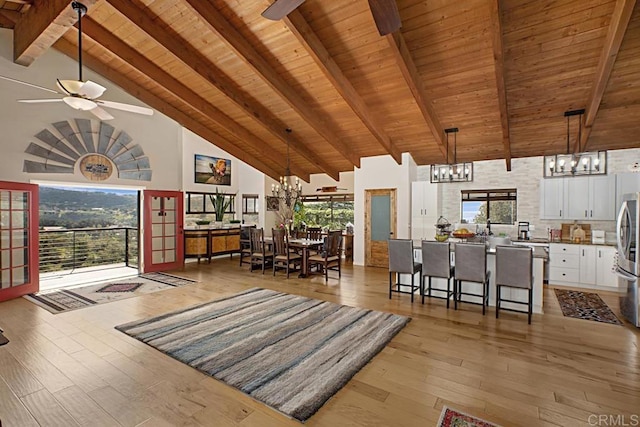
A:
540	256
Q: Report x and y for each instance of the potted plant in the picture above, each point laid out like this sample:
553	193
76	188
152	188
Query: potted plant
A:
220	202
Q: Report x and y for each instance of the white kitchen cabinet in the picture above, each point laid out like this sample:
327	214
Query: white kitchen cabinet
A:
605	264
425	205
579	198
587	264
628	182
602	198
552	198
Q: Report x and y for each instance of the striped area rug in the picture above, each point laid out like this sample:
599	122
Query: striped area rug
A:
289	352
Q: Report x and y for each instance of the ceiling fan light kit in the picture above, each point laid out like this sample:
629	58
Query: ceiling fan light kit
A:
78	94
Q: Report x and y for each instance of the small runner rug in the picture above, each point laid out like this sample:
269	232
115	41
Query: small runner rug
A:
59	301
289	352
452	418
585	305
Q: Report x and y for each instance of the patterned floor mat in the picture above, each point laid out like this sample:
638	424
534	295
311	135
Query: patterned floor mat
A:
62	300
585	305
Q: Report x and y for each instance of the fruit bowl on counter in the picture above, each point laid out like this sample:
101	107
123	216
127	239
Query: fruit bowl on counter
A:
463	233
441	237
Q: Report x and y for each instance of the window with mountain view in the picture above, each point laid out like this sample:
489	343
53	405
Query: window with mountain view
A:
500	206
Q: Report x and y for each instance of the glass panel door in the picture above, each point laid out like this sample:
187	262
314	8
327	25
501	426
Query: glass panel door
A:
18	239
163	230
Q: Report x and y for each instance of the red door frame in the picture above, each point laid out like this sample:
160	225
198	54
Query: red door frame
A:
148	266
33	260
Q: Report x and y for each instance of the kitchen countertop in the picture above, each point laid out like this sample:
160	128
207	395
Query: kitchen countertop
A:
538	251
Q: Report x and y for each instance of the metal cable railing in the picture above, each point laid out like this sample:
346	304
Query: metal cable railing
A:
69	249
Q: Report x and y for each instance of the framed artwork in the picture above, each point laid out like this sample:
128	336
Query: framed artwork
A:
272	203
212	170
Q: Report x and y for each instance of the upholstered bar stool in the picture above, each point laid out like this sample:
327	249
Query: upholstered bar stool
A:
514	269
471	266
436	262
401	262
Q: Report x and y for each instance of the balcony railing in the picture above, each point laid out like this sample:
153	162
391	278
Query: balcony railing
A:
69	249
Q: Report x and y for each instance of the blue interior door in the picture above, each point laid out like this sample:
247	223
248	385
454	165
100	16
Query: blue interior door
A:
380	226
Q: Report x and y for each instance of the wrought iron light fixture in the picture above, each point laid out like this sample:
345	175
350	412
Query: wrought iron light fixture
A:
575	164
288	191
452	172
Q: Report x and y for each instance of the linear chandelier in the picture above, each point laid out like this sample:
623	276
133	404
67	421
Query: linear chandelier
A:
452	172
575	164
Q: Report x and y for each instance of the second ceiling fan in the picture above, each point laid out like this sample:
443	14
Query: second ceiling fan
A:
385	13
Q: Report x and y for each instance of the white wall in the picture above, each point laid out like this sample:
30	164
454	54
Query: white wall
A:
244	178
382	172
158	135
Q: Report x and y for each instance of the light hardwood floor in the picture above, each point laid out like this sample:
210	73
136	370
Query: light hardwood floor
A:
76	369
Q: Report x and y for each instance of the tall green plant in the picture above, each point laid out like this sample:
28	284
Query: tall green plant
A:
220	203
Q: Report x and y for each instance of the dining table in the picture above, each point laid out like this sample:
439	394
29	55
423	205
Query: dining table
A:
305	246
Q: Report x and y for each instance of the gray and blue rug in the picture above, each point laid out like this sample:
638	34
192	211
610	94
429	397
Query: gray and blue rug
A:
289	352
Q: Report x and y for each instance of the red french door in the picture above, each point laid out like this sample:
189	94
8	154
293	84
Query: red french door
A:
18	239
162	230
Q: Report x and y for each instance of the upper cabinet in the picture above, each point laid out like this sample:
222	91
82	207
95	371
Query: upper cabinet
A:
552	199
628	182
581	198
424	210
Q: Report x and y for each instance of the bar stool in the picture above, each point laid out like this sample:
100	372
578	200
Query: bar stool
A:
471	266
401	262
436	262
514	269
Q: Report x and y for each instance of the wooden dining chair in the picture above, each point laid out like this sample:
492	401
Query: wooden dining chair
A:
314	233
330	257
284	257
245	244
259	254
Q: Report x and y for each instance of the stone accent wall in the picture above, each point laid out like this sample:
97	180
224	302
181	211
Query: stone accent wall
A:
525	176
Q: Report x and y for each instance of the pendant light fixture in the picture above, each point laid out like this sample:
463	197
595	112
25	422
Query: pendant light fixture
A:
288	191
452	172
575	164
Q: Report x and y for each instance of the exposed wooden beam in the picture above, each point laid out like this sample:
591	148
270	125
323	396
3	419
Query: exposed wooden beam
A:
6	22
308	38
320	122
119	48
412	77
116	76
498	62
617	27
40	26
200	64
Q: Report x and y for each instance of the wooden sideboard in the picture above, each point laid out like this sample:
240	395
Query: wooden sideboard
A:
205	243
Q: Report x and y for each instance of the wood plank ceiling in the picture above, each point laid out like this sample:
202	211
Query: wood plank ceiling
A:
502	71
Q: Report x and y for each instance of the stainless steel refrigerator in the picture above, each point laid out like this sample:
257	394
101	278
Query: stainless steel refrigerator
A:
627	268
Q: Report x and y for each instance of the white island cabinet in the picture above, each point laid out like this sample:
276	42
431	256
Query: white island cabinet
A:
539	258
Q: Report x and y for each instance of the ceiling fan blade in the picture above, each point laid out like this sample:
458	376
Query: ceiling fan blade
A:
385	14
27	84
281	8
39	101
101	114
126	107
91	90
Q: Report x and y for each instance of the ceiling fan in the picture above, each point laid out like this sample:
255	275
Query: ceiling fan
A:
385	13
79	94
